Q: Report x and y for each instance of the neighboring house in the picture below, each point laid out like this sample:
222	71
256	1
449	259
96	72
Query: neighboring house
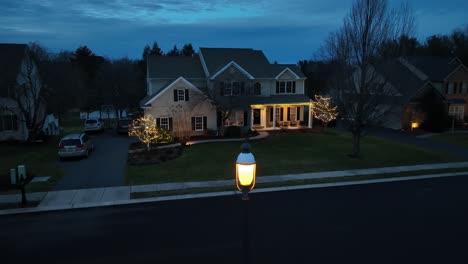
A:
184	93
17	71
409	94
448	75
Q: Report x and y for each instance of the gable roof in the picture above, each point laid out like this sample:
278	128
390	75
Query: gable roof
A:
234	64
146	102
253	61
294	69
402	79
174	67
11	57
437	68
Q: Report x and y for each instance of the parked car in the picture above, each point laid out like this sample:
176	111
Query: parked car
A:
123	125
93	124
75	145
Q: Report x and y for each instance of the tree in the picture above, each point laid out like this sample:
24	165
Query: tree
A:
146	52
31	92
173	52
145	129
188	50
360	92
156	50
323	111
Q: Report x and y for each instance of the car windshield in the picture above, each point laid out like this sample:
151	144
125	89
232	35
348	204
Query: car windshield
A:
91	121
70	142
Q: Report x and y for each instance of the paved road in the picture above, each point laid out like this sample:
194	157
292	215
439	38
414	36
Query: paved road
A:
423	221
105	167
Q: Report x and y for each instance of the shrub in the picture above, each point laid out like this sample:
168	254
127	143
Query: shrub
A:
232	131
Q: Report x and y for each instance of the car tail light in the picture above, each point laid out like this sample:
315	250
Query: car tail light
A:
61	147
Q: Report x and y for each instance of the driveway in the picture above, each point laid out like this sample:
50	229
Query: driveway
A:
105	167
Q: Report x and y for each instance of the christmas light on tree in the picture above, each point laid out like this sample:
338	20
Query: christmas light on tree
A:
323	111
145	129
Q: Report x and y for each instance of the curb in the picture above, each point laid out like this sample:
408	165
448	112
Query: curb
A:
225	193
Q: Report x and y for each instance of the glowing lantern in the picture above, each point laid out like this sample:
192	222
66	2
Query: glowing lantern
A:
245	171
414	125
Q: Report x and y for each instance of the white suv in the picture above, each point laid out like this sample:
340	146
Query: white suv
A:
93	124
75	145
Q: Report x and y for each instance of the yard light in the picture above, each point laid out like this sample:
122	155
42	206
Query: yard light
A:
414	125
245	171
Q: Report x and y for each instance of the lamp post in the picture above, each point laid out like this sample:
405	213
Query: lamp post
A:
245	181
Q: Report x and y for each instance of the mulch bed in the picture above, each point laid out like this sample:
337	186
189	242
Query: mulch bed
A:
154	156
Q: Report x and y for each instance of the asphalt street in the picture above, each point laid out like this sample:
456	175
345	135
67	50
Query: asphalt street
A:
105	167
419	221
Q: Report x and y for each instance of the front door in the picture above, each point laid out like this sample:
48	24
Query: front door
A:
256	117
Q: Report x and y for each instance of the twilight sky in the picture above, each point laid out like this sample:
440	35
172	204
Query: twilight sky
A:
287	31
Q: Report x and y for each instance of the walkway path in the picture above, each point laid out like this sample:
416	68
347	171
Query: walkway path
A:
261	135
116	195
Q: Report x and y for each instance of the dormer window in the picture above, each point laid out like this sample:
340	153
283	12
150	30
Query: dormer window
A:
285	87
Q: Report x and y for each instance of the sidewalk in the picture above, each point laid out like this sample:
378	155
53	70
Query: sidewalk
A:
59	200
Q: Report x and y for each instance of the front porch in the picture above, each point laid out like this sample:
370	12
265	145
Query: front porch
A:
280	116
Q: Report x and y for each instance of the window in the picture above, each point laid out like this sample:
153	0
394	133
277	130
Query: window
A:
232	88
236	118
460	86
292	113
198	123
164	122
181	95
285	87
8	123
457	111
257	89
446	88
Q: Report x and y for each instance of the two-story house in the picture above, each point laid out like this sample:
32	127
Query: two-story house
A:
196	93
449	75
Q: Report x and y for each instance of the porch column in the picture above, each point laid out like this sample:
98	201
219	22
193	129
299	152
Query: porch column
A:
251	117
274	116
310	115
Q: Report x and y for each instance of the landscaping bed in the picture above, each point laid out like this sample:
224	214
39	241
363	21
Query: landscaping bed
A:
141	156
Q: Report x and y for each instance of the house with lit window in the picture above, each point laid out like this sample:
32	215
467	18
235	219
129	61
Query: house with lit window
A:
187	93
17	72
449	75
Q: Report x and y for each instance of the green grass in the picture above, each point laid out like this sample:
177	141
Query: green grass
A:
140	195
283	154
460	139
7	206
40	160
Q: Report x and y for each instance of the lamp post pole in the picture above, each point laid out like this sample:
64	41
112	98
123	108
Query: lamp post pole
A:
245	181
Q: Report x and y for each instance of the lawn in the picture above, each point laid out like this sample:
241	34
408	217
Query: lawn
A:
460	139
40	160
284	153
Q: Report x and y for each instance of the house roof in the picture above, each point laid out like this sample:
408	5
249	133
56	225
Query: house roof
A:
175	67
437	68
252	61
11	57
405	81
147	100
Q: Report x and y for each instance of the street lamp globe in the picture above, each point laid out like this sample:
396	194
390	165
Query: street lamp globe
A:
245	171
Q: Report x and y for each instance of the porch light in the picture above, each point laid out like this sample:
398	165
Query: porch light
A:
245	171
414	125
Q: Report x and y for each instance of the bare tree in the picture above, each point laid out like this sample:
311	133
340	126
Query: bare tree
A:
360	88
29	95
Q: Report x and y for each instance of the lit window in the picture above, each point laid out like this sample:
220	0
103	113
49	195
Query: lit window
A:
235	119
292	113
457	111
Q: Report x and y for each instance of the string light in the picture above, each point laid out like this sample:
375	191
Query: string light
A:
323	111
145	129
